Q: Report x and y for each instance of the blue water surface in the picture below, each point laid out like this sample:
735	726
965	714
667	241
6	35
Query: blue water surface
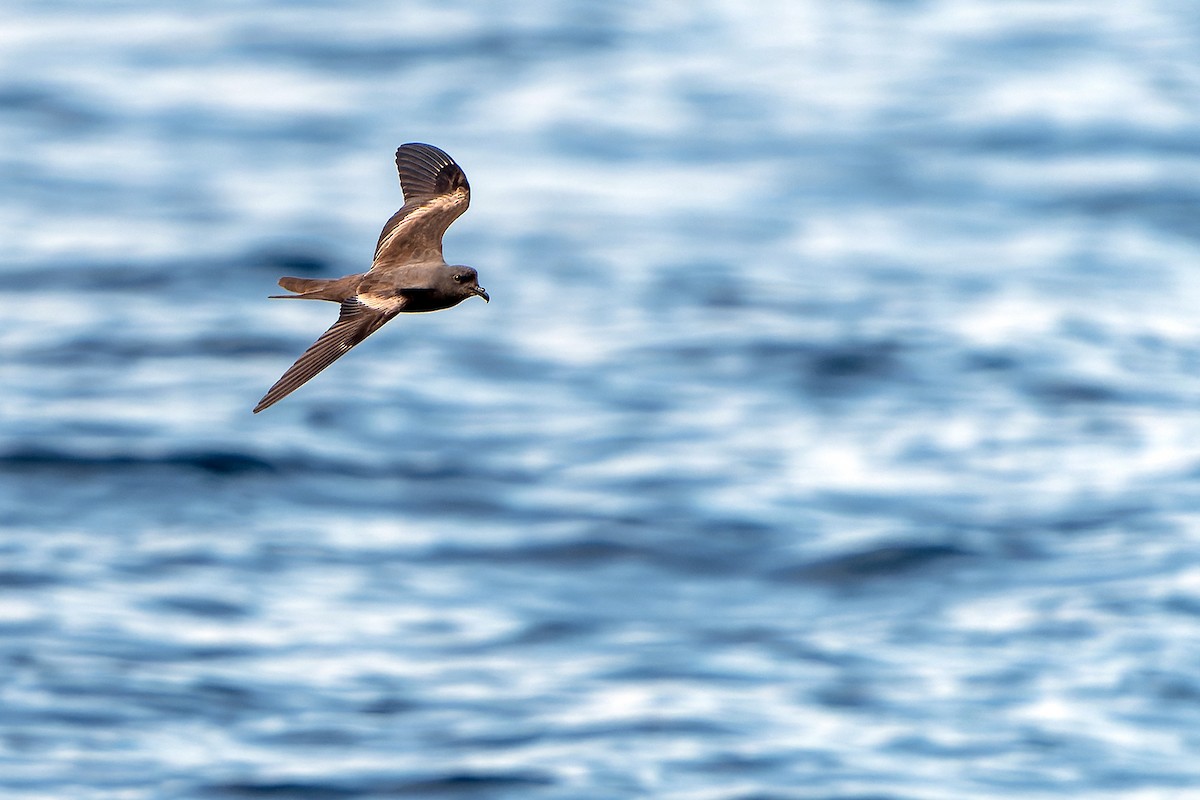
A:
833	431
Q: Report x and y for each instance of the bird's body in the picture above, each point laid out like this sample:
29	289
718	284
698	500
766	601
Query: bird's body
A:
407	275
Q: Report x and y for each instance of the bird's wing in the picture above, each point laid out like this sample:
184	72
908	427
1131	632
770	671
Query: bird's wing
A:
355	323
435	194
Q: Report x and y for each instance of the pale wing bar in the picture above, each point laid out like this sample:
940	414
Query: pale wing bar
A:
436	193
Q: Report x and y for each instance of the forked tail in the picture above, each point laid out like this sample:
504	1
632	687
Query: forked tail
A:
335	289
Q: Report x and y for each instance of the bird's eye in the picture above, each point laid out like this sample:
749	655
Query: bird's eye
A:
459	278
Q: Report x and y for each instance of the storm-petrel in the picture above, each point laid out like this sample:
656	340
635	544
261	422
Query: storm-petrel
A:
408	273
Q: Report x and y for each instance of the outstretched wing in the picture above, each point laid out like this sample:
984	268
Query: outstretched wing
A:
355	323
435	194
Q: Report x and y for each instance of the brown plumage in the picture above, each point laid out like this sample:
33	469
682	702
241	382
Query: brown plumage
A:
407	275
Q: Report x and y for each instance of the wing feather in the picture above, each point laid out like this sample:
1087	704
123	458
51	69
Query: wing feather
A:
436	193
425	171
355	323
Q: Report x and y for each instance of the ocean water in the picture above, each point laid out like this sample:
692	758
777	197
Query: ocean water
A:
833	431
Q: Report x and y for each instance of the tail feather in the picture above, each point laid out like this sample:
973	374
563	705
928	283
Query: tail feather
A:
335	289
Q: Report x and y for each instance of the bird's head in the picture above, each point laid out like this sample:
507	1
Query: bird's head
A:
466	281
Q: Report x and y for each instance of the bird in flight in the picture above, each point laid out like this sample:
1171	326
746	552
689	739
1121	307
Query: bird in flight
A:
408	273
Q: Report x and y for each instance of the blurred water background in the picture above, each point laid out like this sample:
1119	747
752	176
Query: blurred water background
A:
833	432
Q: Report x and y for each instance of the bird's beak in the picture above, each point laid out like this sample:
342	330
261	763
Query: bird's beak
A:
482	292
